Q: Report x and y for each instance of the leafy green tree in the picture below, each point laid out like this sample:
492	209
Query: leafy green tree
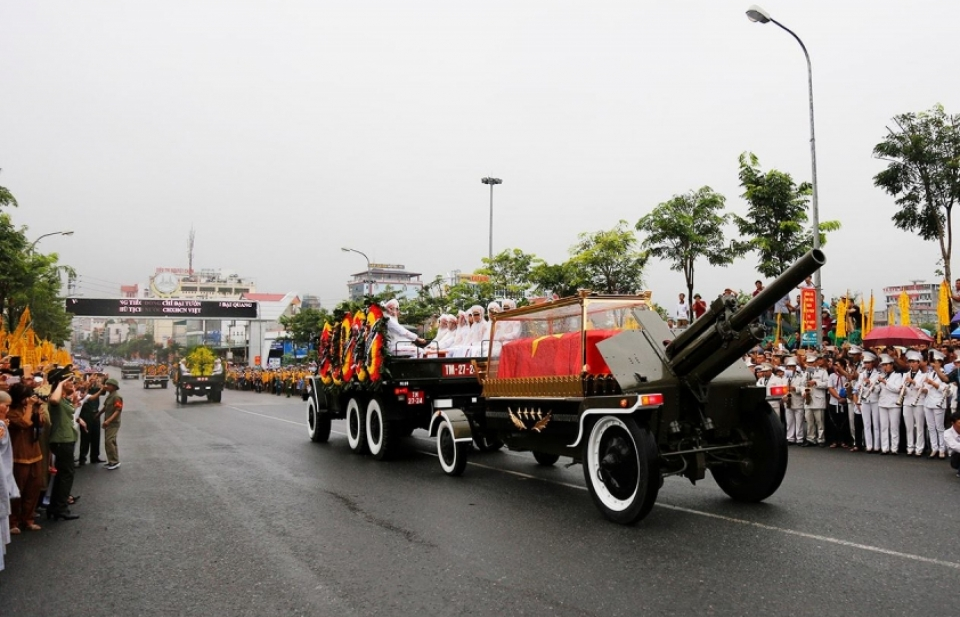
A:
510	272
29	279
776	223
306	325
686	228
608	261
922	152
563	279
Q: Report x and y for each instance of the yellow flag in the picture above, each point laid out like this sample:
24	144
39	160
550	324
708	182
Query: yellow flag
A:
869	315
841	318
904	302
943	304
24	322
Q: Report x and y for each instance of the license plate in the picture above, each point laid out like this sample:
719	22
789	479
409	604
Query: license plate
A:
459	369
415	398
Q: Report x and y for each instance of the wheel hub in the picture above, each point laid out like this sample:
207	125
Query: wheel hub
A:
618	468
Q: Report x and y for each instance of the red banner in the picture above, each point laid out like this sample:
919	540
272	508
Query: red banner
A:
808	310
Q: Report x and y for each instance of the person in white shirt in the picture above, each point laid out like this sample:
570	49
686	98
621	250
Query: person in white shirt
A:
459	345
935	404
889	384
952	438
477	333
794	413
866	397
397	334
683	312
913	414
815	400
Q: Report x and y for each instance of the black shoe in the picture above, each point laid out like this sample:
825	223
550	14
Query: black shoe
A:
97	460
806	444
80	463
66	515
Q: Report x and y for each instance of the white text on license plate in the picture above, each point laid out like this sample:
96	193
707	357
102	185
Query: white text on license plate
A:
415	397
460	369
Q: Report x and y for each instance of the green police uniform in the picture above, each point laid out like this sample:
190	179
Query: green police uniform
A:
112	405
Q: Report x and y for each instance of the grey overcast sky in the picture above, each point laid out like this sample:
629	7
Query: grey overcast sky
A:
284	130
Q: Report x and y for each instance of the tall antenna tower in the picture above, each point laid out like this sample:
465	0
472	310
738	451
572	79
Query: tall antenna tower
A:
190	250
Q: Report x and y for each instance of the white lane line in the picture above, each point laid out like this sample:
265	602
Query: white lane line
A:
721	517
262	415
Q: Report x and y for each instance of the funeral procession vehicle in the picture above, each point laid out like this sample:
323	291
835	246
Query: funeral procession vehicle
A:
155	375
385	396
600	379
199	374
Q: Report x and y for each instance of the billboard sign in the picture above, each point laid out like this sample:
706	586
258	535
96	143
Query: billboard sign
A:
163	308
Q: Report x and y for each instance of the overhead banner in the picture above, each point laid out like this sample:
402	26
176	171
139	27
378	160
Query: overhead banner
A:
808	310
169	308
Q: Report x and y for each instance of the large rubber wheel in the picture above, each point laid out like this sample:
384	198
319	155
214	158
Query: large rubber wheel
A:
163	385
761	471
621	469
216	396
356	427
453	455
547	460
380	431
318	424
486	443
183	397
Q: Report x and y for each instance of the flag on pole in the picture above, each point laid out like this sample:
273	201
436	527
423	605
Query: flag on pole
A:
869	315
943	304
903	303
841	331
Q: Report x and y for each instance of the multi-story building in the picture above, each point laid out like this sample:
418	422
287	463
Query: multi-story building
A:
380	278
923	301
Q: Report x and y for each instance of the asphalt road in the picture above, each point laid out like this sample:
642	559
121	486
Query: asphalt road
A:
230	510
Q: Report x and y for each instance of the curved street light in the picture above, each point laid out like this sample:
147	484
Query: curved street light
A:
52	233
369	273
758	15
491	182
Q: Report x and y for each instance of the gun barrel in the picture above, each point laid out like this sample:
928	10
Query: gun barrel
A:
722	334
805	266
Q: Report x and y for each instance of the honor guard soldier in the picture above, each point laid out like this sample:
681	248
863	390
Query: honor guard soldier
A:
890	384
935	404
795	402
867	397
815	400
915	389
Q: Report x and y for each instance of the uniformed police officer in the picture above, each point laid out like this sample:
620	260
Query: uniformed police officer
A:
112	407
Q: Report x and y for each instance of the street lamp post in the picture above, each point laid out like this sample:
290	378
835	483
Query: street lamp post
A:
52	233
369	273
758	15
491	182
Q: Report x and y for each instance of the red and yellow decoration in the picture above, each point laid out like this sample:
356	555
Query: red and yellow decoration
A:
33	350
351	350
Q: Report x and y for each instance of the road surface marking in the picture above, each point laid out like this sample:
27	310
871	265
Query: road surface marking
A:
721	517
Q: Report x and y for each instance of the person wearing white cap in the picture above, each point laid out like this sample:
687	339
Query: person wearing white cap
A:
935	404
479	334
815	400
508	330
890	414
794	412
397	334
913	415
768	380
867	394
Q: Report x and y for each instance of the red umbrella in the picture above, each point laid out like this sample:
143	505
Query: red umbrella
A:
904	336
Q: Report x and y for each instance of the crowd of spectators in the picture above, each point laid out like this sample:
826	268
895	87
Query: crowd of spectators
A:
44	415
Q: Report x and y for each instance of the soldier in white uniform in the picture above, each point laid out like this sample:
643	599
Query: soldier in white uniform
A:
815	400
867	396
889	384
935	404
767	381
795	402
914	380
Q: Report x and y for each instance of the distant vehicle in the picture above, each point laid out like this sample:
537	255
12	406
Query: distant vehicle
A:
155	375
197	380
130	370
